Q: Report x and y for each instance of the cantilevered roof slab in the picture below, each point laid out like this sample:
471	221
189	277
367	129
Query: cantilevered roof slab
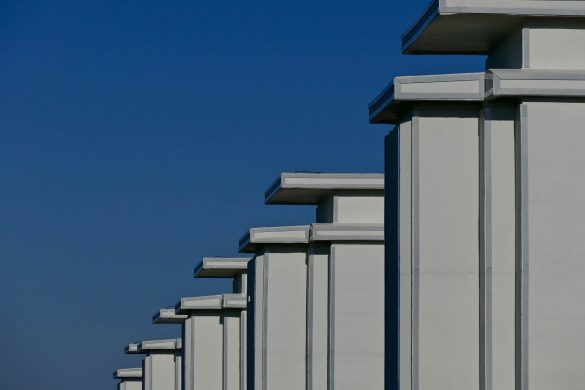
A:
257	237
474	26
128	373
309	188
221	267
209	302
396	99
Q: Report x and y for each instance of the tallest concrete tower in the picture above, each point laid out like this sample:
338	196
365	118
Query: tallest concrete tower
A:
485	192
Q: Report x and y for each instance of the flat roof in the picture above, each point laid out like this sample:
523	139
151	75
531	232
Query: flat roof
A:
128	373
403	92
310	188
221	267
168	316
474	26
257	237
209	302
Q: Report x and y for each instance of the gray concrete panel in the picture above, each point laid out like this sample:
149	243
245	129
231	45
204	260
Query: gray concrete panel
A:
498	249
405	253
317	316
284	317
203	351
159	371
356	329
231	350
553	189
445	251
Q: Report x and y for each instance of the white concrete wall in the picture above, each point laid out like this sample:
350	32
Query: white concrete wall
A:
556	45
356	327
552	218
256	329
358	208
243	349
405	253
498	250
284	307
130	385
203	351
159	371
178	371
231	350
317	317
352	207
542	44
445	193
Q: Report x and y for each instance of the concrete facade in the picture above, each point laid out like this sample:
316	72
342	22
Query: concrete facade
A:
234	315
213	353
161	366
308	282
483	210
130	378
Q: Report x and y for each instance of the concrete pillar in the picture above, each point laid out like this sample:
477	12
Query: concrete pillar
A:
211	335
484	210
345	268
170	316
161	365
277	284
130	378
234	316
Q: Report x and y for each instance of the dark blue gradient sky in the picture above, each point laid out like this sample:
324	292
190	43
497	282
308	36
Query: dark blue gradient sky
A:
138	136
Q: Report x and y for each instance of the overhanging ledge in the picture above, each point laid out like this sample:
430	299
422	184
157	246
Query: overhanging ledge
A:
474	26
310	188
396	99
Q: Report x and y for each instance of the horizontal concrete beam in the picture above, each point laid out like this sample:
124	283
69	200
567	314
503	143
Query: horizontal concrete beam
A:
128	373
221	267
310	188
273	235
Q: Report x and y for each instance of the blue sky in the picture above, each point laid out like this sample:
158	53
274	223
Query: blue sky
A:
138	136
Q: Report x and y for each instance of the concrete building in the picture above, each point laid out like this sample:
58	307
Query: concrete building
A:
130	378
484	210
161	366
234	315
316	291
213	330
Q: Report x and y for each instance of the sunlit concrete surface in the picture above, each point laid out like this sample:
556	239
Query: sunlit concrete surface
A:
214	331
129	378
309	282
345	290
234	315
161	366
484	211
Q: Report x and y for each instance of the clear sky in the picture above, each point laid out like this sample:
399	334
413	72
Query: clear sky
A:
138	136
